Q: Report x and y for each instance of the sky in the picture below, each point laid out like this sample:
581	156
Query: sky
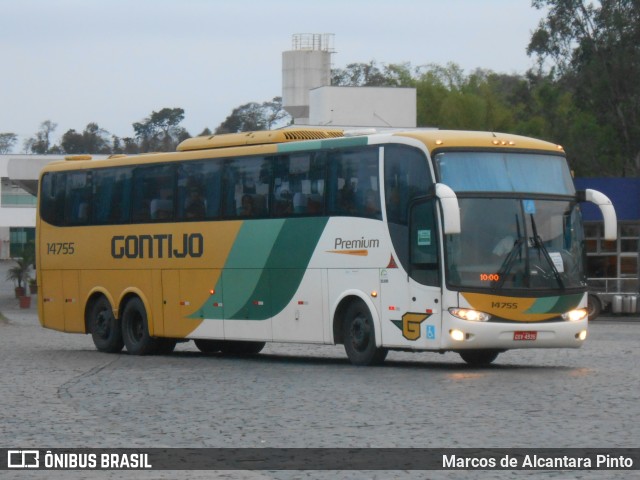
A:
114	62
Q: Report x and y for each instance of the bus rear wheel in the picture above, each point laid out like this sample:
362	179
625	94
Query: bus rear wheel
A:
135	330
359	336
105	329
479	358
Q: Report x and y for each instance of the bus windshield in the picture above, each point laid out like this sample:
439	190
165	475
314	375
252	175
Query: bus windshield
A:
505	172
516	244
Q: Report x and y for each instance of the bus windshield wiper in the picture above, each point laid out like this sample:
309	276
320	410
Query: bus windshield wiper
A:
508	262
537	243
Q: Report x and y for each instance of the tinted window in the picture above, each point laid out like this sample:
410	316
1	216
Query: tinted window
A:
353	185
77	206
199	190
299	184
505	172
406	176
52	194
153	193
246	193
112	195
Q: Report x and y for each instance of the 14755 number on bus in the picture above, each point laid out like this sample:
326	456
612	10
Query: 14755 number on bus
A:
57	248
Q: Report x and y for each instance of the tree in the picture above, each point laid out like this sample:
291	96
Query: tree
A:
7	141
41	143
160	130
595	52
370	75
92	140
253	116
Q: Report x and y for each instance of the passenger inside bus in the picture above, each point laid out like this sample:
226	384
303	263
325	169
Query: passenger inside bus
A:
194	207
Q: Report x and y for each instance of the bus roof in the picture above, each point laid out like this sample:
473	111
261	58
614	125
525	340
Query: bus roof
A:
303	138
432	138
437	139
256	138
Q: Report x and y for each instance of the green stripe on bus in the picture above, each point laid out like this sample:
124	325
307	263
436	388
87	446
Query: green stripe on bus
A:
265	267
560	304
318	144
245	264
284	269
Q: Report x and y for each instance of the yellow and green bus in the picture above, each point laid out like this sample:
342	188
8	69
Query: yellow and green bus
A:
424	240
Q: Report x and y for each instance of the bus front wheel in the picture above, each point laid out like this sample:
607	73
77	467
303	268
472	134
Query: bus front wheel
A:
135	330
105	329
359	336
479	358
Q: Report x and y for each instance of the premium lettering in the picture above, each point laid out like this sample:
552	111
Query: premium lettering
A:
341	243
157	246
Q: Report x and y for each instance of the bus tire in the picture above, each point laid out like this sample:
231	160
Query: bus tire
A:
231	347
359	336
479	358
594	307
208	346
135	329
105	329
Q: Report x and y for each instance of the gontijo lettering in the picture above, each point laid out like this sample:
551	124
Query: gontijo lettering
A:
157	246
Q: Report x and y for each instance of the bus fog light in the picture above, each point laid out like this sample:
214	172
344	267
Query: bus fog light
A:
575	315
582	335
468	314
457	335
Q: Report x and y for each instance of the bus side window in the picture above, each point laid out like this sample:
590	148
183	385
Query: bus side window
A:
52	198
199	190
406	176
77	198
153	193
111	195
353	183
424	243
246	192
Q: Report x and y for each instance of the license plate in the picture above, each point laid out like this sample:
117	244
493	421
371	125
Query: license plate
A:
525	335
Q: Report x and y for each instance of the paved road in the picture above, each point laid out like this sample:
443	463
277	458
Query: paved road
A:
58	391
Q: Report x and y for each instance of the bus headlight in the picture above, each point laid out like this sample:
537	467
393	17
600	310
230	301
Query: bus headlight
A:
575	315
470	315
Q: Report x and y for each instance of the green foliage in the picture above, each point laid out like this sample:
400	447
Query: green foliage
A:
253	116
7	141
594	53
19	273
160	131
92	140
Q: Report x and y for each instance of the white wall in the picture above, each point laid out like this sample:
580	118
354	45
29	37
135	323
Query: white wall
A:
363	106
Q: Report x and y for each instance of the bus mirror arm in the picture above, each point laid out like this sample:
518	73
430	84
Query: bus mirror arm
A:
450	208
606	207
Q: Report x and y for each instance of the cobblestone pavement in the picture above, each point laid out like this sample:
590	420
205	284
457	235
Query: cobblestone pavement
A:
58	391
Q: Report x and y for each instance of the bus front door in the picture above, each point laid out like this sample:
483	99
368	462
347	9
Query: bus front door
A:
411	299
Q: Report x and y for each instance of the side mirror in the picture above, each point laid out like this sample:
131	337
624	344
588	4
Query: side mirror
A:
450	208
606	207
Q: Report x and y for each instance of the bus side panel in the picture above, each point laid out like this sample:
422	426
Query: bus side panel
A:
247	305
52	300
302	318
189	297
73	304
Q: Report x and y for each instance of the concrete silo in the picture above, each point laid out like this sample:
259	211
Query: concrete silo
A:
306	66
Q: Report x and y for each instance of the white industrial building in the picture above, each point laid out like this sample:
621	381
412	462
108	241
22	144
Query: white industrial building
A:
18	187
307	94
